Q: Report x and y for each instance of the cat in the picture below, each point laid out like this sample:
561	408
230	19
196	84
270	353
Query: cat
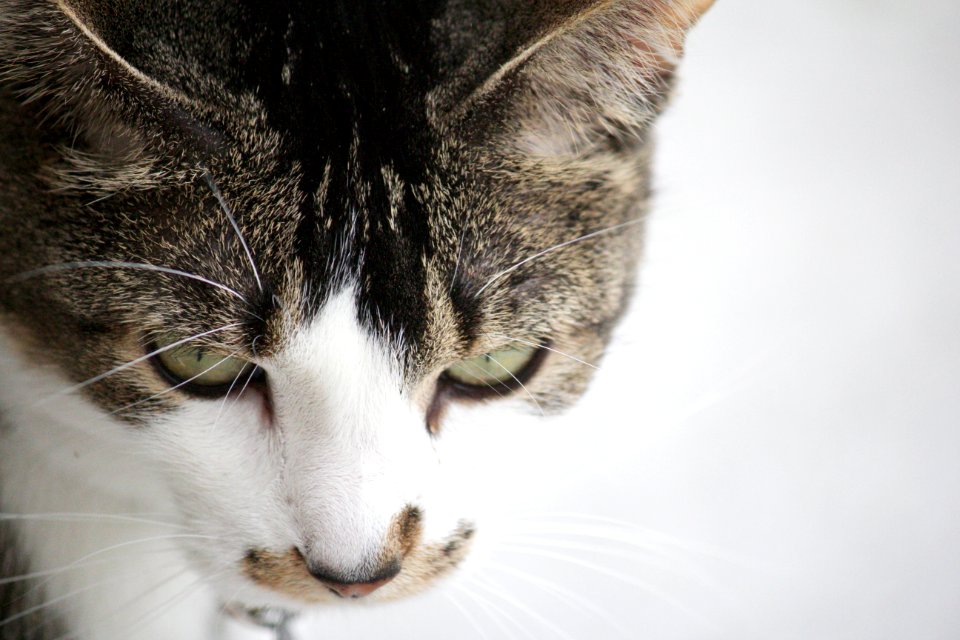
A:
251	254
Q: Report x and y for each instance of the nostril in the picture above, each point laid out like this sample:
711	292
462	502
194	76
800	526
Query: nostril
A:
355	588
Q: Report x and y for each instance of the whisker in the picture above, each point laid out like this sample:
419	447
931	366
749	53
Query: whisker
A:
119	264
236	228
456	267
166	580
122	545
617	575
542	346
466	614
587	236
226	397
174	387
467	363
49	603
167	604
648	556
612	529
577	601
253	372
134	362
491	608
95	517
517	380
592	532
46	573
496	590
23	577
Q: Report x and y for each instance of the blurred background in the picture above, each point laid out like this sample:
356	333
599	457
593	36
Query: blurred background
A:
772	447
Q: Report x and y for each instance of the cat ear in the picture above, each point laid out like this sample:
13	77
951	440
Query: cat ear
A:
59	60
588	72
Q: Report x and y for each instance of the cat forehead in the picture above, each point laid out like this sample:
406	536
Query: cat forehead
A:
321	143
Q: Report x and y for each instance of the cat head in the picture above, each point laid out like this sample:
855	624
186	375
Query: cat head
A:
271	244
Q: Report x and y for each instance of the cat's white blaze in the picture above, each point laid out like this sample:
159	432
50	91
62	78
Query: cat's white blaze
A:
357	450
346	453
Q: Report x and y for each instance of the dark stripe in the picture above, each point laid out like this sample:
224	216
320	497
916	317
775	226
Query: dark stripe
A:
345	83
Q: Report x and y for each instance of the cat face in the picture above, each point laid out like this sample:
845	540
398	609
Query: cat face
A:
271	247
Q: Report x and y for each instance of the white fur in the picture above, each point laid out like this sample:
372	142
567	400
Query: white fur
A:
63	456
346	453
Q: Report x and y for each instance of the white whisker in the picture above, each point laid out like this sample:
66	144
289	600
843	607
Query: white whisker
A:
612	529
646	556
617	575
226	210
174	387
50	572
467	363
134	362
456	267
541	346
164	606
466	614
517	380
253	372
493	610
49	603
496	590
46	573
118	264
127	543
587	236
168	579
226	397
568	597
93	517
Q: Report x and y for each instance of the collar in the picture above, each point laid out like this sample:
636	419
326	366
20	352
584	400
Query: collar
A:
272	618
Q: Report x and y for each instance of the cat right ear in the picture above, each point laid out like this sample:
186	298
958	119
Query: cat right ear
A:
56	58
581	71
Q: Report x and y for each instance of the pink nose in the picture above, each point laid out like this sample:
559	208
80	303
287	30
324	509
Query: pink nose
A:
355	589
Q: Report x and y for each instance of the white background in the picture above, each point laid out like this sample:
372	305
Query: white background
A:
780	415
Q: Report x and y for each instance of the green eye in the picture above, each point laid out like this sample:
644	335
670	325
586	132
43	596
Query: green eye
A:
506	367
199	367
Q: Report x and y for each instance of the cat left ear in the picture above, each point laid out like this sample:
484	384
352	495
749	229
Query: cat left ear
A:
59	58
601	69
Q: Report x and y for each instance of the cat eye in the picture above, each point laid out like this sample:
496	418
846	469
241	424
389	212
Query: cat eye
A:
198	370
500	371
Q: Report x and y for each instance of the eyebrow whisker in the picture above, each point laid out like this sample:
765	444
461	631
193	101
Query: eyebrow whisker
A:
233	222
587	236
120	264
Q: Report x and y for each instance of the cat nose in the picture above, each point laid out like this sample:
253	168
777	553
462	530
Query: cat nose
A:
355	588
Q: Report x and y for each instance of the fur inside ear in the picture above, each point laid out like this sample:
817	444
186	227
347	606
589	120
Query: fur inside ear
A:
114	119
598	77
